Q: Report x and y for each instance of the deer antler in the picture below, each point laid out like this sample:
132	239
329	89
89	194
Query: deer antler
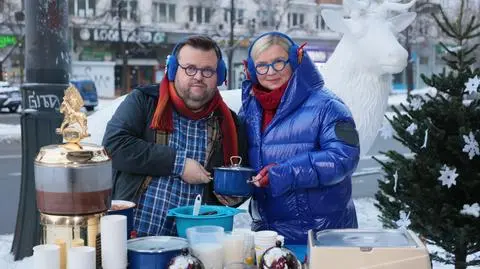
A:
395	6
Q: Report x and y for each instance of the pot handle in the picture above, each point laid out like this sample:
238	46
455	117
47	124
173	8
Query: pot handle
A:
232	163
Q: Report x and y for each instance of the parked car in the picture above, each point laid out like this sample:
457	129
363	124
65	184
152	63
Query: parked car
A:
10	97
88	91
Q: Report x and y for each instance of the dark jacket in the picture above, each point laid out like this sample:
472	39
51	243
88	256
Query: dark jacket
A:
313	141
131	144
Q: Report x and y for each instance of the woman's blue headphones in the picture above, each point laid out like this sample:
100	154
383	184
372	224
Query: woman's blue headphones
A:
292	55
172	62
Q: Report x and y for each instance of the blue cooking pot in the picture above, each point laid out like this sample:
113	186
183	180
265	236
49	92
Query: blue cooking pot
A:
153	252
233	180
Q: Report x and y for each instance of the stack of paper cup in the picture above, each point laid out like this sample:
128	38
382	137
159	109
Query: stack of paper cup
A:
263	241
46	256
81	258
114	246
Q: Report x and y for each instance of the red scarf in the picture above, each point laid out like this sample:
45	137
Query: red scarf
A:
163	116
269	100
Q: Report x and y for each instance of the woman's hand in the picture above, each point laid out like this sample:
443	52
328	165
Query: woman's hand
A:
261	179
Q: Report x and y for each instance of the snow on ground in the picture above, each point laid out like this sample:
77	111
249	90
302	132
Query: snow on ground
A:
367	218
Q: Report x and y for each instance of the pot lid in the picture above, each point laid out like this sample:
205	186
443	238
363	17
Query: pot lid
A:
71	154
185	261
235	165
235	168
364	238
156	244
279	257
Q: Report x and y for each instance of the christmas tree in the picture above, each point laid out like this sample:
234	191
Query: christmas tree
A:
436	193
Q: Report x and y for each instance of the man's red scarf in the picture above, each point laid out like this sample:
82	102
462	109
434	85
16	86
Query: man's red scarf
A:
269	100
163	116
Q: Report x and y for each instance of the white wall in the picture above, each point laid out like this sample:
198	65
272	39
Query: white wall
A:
102	73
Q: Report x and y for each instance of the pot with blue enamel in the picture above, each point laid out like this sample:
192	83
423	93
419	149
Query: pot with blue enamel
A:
233	180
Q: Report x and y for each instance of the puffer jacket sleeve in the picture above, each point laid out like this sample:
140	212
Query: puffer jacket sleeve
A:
124	141
337	158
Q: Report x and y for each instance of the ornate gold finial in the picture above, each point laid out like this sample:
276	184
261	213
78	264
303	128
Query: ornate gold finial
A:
74	125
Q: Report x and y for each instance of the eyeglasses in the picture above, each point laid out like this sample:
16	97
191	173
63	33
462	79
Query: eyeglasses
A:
277	65
192	70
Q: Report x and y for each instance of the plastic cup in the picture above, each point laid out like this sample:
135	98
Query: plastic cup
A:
233	248
206	243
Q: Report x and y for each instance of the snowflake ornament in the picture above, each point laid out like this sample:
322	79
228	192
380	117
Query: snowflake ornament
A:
412	128
386	131
471	145
448	176
395	177
472	84
404	220
472	210
416	103
425	140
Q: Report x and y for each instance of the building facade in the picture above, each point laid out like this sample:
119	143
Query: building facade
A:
130	39
151	28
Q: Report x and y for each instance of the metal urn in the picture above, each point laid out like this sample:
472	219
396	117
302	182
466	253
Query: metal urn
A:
73	182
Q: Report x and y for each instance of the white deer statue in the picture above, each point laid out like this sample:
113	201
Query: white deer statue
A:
361	67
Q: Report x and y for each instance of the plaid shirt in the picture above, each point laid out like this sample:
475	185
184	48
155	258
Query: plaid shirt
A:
189	138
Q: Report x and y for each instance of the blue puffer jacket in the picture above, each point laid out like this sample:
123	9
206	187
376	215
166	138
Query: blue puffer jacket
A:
310	187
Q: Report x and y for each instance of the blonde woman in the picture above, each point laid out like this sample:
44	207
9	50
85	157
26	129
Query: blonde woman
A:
302	141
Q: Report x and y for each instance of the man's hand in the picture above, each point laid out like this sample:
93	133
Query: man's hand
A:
194	173
229	200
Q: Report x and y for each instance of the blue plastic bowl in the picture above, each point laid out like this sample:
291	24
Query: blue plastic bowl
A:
209	215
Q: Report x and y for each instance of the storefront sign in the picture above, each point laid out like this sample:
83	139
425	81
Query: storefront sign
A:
113	35
7	40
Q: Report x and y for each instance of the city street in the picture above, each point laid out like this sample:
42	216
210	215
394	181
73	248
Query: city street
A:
364	180
10	179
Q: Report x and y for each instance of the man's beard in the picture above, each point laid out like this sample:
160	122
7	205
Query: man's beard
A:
196	102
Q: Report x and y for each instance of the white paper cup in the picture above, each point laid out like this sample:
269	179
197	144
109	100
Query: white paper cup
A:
46	256
81	258
266	237
233	245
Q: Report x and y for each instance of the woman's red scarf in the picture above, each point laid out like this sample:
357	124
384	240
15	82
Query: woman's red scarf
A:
163	116
269	100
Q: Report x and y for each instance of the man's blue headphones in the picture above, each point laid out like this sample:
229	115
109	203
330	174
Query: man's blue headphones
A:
292	55
172	62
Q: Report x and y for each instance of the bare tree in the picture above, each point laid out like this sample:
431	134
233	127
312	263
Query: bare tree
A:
421	30
269	16
122	16
11	21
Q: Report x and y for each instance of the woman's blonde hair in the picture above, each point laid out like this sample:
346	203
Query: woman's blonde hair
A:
267	41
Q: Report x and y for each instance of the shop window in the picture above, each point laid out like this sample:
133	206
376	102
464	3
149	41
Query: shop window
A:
163	12
82	8
423	60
